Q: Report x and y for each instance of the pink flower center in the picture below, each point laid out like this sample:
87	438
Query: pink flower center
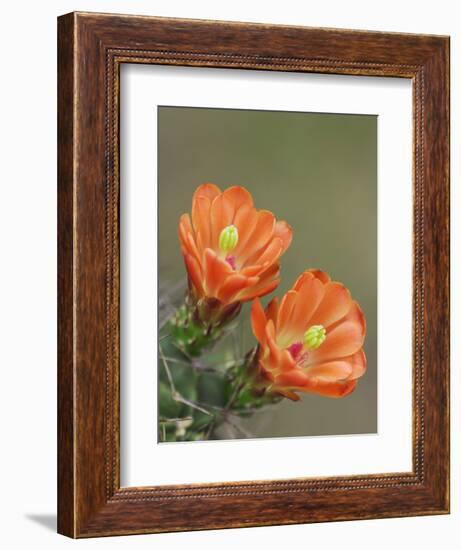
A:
295	349
231	261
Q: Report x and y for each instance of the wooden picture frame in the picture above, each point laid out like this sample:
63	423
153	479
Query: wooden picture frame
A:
92	47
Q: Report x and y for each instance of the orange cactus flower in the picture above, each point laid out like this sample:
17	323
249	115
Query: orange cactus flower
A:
231	250
312	341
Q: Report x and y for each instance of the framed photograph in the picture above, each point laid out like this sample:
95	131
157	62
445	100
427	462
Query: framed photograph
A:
253	275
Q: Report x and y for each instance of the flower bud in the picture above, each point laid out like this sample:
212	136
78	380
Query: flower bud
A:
314	336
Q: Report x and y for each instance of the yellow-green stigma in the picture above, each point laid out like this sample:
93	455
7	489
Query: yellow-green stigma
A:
228	238
314	336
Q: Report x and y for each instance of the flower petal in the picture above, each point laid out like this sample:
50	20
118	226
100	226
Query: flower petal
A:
331	389
233	285
335	304
216	272
321	275
238	196
275	353
286	361
258	239
269	255
261	289
284	232
285	311
334	371
245	221
309	296
208	190
258	321
294	378
201	221
221	215
192	248
300	281
185	229
194	273
272	310
358	363
345	339
356	315
252	270
269	273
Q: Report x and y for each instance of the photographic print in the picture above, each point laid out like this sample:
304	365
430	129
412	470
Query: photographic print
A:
267	266
236	267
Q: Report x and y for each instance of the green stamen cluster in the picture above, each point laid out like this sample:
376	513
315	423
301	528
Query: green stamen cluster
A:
228	238
314	336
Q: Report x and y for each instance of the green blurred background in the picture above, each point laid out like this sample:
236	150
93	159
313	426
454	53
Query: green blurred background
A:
317	171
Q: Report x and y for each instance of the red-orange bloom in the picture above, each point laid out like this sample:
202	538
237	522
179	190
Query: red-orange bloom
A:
312	341
231	249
